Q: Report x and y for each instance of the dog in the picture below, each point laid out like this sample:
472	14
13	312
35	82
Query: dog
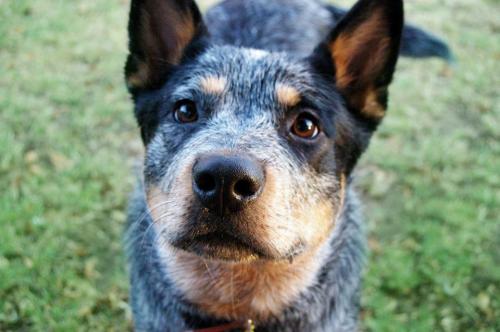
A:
253	119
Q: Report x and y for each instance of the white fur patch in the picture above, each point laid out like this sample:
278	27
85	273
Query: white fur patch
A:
257	54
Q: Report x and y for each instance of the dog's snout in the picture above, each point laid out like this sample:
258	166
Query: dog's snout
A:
227	183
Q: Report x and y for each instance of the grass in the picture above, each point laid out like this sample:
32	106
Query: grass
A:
68	144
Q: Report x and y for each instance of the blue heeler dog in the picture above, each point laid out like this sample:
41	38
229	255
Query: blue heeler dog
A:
253	119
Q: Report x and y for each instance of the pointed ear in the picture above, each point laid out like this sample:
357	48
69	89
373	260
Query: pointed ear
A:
160	32
363	49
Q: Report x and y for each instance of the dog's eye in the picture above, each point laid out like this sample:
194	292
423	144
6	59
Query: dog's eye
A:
305	126
185	111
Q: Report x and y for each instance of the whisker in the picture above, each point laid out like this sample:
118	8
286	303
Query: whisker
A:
149	210
208	270
154	221
232	292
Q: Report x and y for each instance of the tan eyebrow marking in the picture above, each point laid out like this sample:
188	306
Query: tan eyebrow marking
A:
214	85
287	95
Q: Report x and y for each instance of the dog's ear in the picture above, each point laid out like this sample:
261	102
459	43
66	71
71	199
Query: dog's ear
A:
362	52
160	33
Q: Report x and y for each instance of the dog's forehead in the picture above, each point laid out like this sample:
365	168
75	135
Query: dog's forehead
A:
250	75
245	64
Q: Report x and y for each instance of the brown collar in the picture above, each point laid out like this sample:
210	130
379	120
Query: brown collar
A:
247	326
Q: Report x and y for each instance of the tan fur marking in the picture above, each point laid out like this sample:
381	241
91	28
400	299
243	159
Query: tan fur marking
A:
342	191
372	107
186	32
156	200
240	291
340	50
161	47
353	69
166	211
287	95
140	77
317	221
213	85
181	32
348	47
254	288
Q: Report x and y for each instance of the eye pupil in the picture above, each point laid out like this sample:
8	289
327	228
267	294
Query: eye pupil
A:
305	127
185	112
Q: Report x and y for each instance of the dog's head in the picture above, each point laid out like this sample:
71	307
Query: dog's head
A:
248	151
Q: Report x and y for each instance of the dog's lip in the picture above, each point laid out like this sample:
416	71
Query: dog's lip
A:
219	238
220	245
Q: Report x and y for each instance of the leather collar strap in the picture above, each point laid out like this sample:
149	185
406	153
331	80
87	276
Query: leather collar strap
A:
247	326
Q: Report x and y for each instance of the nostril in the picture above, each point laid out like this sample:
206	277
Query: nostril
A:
226	183
246	188
205	182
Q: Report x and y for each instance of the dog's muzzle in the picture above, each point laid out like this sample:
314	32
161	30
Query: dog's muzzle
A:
220	224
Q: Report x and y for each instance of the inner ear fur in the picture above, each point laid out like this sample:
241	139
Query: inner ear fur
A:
160	32
364	48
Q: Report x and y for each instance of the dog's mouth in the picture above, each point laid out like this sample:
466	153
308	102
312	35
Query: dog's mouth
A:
220	246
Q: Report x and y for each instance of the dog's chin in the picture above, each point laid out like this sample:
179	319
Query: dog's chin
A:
221	246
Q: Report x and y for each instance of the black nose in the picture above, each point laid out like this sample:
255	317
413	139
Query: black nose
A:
227	183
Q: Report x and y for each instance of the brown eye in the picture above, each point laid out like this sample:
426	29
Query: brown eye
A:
185	111
305	126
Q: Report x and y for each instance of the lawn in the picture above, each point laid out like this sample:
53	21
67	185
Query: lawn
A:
69	149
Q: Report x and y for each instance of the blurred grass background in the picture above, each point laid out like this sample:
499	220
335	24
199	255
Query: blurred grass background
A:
68	143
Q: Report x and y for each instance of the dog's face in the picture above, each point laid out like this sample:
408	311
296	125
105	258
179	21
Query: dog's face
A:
241	164
248	151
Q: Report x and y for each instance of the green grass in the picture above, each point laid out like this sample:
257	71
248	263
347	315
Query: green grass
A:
68	144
